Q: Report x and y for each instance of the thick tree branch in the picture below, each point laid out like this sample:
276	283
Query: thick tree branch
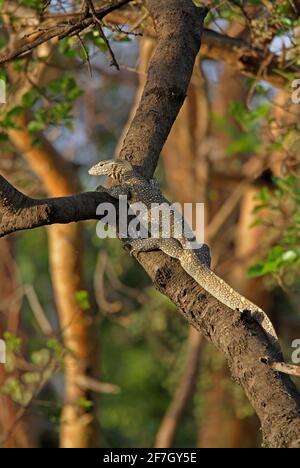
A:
242	57
179	25
238	336
241	339
19	212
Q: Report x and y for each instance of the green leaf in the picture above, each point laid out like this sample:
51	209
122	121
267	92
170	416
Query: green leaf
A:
3	137
41	358
290	256
264	194
30	98
66	47
82	297
36	126
30	378
13	342
276	253
84	403
256	270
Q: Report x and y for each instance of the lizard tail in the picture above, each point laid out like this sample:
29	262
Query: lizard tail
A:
228	296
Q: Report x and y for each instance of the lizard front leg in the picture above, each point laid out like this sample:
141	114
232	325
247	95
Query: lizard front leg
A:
117	192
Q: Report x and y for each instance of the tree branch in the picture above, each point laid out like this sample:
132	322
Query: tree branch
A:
179	25
233	51
19	212
241	56
61	30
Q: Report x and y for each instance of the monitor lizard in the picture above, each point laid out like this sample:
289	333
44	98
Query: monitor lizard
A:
195	261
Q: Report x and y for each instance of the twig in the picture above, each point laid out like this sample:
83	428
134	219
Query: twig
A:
132	293
37	310
98	24
86	53
44	8
103	303
282	367
73	27
225	210
88	383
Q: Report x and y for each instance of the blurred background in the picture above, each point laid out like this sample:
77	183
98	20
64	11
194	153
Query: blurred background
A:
95	355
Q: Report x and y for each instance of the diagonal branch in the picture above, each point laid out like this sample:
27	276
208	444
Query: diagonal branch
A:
98	24
72	27
184	392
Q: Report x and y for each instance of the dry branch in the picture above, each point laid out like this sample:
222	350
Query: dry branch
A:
233	51
67	28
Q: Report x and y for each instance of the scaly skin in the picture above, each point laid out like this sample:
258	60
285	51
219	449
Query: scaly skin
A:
139	190
195	262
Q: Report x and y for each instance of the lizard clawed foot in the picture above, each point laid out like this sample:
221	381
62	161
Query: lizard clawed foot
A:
100	188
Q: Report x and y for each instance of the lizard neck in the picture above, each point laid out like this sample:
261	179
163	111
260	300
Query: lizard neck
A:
132	177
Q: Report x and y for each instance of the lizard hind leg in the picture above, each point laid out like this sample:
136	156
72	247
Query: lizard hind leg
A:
169	246
142	245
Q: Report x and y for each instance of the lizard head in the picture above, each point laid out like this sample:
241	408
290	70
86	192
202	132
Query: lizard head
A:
116	169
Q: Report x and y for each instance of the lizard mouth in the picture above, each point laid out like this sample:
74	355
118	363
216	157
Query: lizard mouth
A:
116	170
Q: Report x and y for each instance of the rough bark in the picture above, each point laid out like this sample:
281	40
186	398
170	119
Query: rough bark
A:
241	352
180	27
220	426
19	212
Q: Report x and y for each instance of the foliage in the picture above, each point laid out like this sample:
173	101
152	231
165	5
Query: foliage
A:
279	209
